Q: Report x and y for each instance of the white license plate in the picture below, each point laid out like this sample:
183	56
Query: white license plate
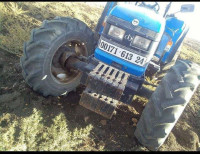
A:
121	53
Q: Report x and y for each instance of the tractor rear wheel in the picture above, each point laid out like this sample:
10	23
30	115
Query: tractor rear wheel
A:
41	61
167	104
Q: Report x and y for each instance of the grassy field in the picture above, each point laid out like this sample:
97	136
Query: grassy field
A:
30	133
19	18
28	124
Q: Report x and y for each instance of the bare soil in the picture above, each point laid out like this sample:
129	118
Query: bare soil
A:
117	134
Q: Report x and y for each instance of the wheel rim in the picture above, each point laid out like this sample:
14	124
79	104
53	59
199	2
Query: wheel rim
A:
61	74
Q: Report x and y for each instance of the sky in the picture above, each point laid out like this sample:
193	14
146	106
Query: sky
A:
193	19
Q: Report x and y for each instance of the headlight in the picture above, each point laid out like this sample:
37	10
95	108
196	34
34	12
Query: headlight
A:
116	32
141	42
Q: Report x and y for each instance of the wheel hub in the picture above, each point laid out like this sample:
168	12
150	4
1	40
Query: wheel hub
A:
60	72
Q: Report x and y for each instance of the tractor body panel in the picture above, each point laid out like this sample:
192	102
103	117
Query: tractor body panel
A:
148	28
173	30
163	42
106	14
148	18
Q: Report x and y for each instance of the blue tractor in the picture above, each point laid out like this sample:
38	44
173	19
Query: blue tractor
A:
129	42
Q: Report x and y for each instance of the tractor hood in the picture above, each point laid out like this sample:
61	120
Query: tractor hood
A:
147	18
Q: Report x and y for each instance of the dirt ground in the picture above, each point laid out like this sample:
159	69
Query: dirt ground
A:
117	134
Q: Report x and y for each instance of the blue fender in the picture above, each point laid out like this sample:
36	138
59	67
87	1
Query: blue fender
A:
173	30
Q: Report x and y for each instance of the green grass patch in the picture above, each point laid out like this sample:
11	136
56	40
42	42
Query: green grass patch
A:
30	134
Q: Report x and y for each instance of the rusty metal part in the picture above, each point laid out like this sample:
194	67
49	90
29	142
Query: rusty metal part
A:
60	73
107	80
98	103
105	86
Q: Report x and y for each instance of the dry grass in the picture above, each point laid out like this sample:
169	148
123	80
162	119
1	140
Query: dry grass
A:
30	133
19	18
14	8
15	27
190	51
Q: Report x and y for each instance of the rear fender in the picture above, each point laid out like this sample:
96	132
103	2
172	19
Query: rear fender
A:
173	30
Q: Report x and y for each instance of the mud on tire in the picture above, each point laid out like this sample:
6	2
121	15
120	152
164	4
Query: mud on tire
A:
39	51
167	104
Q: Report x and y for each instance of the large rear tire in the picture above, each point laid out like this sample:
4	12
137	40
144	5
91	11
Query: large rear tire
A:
167	104
40	63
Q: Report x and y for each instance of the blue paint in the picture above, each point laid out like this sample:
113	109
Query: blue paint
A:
110	7
174	24
163	42
126	66
147	18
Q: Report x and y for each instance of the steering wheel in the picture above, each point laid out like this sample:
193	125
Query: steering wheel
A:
154	7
